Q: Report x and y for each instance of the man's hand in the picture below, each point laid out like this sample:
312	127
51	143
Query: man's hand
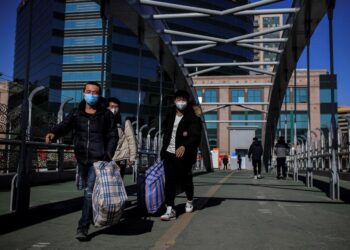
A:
49	137
180	152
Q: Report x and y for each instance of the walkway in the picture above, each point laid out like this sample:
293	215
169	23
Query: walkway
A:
233	212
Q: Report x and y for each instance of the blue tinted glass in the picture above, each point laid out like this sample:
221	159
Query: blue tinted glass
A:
76	94
254	95
82	76
199	93
82	58
287	96
301	95
325	95
326	120
256	117
82	41
82	7
238	116
237	95
211	116
83	24
128	95
210	95
302	120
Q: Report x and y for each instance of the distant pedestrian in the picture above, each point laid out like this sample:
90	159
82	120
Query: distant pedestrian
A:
95	139
239	162
255	153
225	162
281	151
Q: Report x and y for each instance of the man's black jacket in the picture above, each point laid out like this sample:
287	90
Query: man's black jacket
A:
255	150
188	133
95	136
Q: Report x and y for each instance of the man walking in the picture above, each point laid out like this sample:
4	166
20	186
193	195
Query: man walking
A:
182	135
281	150
255	153
95	139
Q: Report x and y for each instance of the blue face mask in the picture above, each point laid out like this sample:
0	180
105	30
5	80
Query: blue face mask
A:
91	99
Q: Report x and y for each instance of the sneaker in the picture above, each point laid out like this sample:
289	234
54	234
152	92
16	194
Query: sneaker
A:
255	177
259	176
170	214
189	207
82	234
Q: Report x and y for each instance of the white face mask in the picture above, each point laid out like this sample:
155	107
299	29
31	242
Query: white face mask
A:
181	105
114	110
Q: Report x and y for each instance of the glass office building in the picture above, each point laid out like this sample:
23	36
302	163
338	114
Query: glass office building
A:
71	45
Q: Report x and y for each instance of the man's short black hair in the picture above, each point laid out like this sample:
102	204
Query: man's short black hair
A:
255	139
114	99
182	93
94	83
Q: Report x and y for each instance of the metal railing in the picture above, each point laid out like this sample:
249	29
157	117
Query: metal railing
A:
320	151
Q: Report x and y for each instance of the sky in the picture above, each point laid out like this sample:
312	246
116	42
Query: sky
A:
319	50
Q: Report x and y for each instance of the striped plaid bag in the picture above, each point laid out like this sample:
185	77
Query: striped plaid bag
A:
109	195
154	187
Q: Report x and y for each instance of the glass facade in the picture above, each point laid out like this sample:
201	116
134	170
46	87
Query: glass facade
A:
301	95
237	95
326	95
211	95
212	128
326	120
254	95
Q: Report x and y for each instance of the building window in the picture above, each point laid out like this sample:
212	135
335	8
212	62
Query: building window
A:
83	41
212	128
326	95
210	95
82	7
212	116
326	120
82	58
302	120
301	95
238	116
237	95
287	96
81	76
254	95
254	116
270	22
83	24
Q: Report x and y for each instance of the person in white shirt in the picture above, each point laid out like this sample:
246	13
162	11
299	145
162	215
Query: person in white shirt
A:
182	135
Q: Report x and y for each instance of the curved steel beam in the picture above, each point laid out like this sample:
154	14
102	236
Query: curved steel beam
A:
297	40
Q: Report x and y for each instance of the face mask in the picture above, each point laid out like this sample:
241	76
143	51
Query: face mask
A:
91	99
114	110
181	105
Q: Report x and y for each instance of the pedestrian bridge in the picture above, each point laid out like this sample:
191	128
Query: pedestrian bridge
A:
232	211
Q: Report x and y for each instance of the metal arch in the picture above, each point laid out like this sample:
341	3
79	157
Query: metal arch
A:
132	13
288	60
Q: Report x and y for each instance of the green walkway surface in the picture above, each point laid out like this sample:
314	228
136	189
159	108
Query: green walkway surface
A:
233	211
45	194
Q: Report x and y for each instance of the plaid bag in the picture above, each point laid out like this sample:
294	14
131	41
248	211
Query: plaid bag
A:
154	187
109	195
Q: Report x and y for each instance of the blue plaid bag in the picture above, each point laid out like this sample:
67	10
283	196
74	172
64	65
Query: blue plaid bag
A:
154	187
109	194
